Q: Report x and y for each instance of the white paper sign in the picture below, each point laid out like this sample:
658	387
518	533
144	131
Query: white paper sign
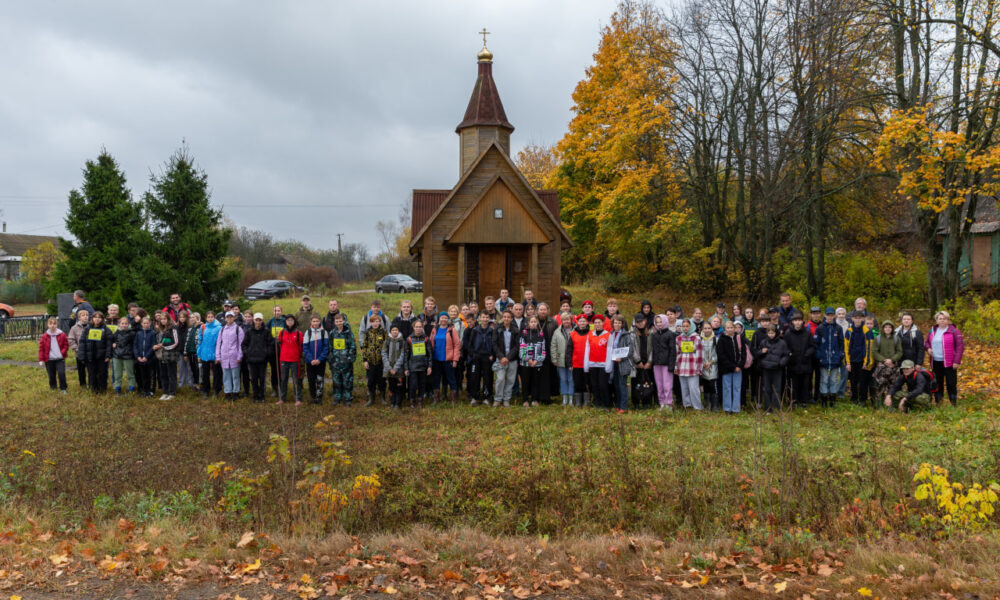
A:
618	353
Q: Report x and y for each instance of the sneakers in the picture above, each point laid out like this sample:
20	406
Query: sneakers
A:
621	412
534	404
163	397
474	402
118	391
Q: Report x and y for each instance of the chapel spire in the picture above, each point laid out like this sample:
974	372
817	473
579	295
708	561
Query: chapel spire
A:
485	120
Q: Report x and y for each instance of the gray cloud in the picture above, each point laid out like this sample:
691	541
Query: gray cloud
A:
283	104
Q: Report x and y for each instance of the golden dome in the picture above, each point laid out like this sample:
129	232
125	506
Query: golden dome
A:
485	55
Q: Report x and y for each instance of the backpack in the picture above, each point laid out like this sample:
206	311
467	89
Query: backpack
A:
932	382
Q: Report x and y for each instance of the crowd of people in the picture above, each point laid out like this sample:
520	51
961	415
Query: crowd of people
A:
516	351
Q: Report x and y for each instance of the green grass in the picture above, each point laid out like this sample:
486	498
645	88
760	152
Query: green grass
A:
549	470
23	350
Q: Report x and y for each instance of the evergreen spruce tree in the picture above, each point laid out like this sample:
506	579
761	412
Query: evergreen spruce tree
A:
190	241
111	247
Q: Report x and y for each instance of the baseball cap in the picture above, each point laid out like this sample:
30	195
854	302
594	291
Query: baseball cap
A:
258	316
230	313
588	302
640	317
815	309
831	310
796	315
306	298
720	305
772	309
907	364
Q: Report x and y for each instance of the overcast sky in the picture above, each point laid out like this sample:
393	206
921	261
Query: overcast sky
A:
310	118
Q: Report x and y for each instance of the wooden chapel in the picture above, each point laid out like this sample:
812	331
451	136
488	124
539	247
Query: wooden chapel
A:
492	230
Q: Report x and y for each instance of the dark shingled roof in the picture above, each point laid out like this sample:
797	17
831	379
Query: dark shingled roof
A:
485	107
425	202
551	200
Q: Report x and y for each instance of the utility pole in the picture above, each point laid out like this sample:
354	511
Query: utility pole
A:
340	253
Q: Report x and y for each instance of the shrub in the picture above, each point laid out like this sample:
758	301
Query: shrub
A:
978	320
20	291
253	275
314	277
888	279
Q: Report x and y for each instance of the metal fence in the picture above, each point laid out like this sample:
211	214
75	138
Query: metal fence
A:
23	328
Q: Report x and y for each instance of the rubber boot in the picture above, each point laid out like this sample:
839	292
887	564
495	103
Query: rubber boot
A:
452	397
578	400
437	396
371	399
381	396
586	399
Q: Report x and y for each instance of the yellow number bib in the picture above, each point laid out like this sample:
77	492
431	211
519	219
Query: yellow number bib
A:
276	331
749	333
113	328
339	343
95	334
419	349
687	347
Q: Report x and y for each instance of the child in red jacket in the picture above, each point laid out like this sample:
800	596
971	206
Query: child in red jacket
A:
289	343
52	350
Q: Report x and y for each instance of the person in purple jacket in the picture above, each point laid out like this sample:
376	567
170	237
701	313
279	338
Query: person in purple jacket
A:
944	344
229	353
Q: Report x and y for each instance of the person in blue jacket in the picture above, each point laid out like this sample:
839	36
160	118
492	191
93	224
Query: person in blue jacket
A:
315	349
830	355
211	369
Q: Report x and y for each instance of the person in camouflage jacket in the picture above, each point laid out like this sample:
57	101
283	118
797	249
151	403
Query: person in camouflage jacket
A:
343	351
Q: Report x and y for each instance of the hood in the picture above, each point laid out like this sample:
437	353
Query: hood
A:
295	322
886	322
663	322
213	325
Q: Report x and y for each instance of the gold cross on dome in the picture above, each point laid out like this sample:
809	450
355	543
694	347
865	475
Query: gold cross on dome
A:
484	33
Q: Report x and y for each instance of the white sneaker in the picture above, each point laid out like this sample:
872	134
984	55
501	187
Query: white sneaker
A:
163	397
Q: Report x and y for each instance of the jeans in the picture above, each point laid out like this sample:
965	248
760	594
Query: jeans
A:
691	391
504	382
231	380
664	384
184	377
56	368
565	381
120	366
843	381
829	381
290	369
731	385
621	386
443	376
945	376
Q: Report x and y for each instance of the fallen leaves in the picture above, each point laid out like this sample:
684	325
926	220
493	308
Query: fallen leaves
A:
246	540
